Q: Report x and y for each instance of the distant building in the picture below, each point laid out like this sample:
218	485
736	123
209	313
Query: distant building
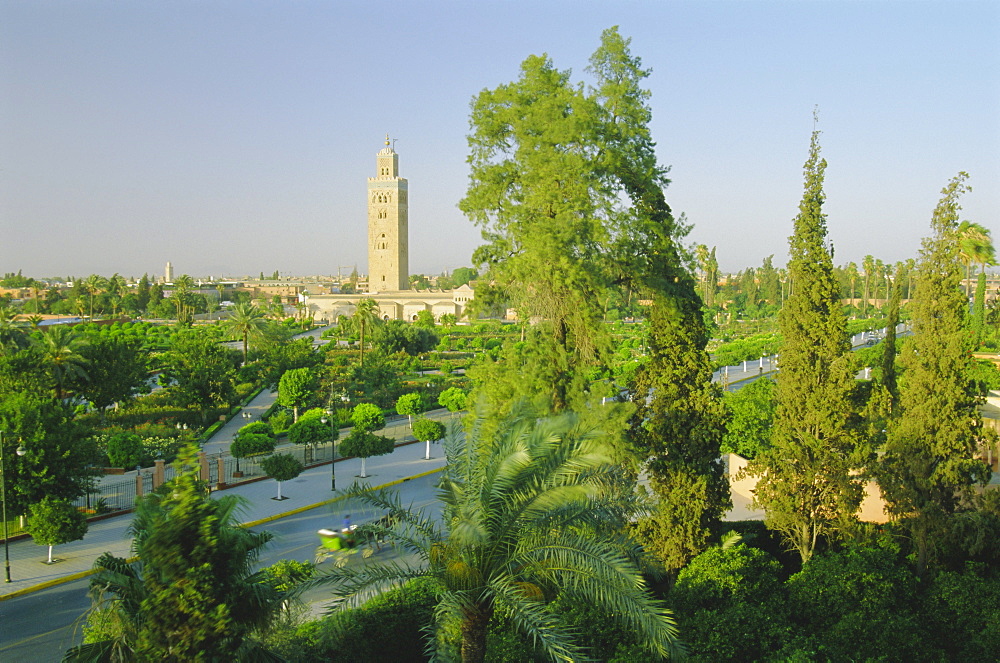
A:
168	273
388	225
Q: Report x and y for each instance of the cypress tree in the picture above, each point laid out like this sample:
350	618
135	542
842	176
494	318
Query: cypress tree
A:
928	468
805	482
679	418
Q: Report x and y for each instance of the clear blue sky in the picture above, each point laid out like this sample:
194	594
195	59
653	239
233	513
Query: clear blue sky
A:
232	137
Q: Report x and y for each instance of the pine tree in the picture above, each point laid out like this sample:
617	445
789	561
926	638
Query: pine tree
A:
928	468
805	483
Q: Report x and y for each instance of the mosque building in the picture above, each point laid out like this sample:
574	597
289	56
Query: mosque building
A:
388	257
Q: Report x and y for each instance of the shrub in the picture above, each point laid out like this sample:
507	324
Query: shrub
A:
125	450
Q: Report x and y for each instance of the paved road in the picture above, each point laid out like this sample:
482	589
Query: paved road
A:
37	618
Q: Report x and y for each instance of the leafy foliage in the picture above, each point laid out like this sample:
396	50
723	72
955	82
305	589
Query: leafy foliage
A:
428	430
751	412
192	594
535	511
54	521
368	417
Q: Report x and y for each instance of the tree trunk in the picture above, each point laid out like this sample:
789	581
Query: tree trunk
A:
363	475
474	629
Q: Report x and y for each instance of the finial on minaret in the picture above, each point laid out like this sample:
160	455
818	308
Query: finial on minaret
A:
387	140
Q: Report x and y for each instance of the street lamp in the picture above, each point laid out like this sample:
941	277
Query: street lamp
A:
3	496
333	441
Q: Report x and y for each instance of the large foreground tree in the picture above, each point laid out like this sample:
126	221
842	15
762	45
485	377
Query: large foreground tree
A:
805	482
192	593
536	510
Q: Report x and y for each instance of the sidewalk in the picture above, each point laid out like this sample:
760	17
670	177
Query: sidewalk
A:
29	572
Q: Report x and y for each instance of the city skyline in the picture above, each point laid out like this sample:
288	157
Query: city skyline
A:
234	138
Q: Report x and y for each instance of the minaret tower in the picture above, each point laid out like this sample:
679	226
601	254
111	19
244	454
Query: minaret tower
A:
388	235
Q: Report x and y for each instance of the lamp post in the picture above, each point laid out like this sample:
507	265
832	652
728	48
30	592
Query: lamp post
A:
333	440
3	496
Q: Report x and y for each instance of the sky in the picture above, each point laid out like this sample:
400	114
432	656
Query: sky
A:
235	137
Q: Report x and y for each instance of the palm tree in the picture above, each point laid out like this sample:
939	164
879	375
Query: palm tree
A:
852	275
12	337
247	320
130	599
868	265
94	284
115	287
59	348
975	246
183	285
535	510
365	313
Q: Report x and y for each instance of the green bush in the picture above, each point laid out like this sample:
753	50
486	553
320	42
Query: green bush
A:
125	450
251	444
256	428
389	627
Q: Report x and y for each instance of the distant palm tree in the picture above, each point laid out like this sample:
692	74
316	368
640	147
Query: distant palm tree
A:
59	348
12	336
365	314
183	285
852	275
975	246
868	265
94	284
116	288
246	320
535	510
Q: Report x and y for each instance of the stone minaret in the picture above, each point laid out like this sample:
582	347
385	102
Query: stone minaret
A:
388	235
168	273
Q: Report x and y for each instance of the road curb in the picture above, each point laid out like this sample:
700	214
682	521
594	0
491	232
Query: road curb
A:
79	575
308	507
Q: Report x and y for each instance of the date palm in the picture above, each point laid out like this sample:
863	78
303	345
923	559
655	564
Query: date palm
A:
12	337
183	285
533	511
365	314
94	284
975	246
59	349
246	321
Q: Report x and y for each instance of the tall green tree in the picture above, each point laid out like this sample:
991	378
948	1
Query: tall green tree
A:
679	419
59	453
975	246
183	285
928	467
535	193
94	284
805	478
537	510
